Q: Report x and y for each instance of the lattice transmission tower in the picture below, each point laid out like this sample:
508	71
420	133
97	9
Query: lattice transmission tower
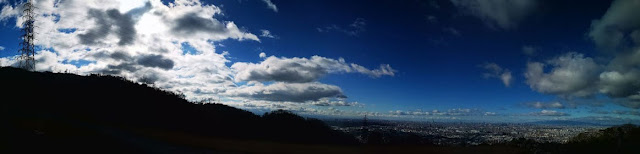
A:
27	50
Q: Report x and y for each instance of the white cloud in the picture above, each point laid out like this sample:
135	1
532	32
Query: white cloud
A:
502	13
262	55
270	5
9	11
301	70
543	105
1	48
618	33
142	43
495	71
330	102
549	113
267	34
572	75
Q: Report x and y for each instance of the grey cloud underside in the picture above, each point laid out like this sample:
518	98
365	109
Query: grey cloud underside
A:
109	21
99	32
149	78
155	61
133	64
619	27
126	32
296	79
289	92
192	23
292	72
118	55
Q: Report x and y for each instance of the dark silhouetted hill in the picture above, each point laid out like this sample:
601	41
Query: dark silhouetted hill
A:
57	111
618	139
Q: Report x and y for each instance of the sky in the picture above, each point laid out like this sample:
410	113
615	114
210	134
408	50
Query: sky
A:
431	60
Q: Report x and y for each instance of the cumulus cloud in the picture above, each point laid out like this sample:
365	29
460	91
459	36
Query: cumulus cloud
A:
289	92
300	70
617	32
543	105
194	24
495	71
142	41
9	11
262	55
549	113
572	75
111	20
270	5
617	26
504	14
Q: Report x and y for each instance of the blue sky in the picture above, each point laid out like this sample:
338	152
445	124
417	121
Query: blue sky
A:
470	60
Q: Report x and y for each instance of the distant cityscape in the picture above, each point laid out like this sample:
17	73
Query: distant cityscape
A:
442	133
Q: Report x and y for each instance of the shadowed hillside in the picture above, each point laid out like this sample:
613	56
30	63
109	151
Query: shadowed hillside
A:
618	139
65	111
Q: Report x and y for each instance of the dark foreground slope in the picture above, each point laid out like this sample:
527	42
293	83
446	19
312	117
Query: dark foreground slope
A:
55	111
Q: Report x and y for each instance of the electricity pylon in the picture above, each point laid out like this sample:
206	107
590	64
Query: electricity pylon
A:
27	50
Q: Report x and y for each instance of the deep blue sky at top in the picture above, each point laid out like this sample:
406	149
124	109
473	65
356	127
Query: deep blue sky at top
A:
437	69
